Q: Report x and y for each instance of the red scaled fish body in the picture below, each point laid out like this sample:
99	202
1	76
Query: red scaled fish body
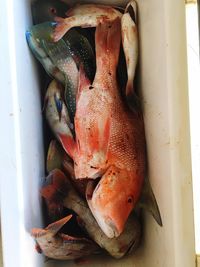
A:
110	140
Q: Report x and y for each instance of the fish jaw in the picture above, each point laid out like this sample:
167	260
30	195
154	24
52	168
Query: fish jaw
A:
113	199
84	16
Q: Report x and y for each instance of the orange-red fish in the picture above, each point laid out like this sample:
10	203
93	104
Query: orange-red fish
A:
110	139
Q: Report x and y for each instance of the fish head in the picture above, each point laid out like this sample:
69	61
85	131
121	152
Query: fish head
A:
46	10
42	31
36	35
112	200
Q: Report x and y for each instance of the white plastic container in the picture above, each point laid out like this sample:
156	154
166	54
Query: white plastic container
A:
163	83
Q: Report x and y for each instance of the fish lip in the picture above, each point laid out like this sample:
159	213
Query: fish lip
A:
28	35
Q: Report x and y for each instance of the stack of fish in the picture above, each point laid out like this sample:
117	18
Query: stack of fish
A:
97	165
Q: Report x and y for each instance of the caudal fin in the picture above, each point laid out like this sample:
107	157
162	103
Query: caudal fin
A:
56	226
51	229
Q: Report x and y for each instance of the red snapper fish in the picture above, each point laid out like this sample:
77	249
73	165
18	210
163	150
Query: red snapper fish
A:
110	139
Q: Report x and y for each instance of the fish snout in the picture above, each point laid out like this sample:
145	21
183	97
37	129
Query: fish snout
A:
111	225
28	35
110	229
111	201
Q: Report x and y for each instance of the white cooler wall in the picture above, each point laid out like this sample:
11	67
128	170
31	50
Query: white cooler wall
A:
21	157
163	80
164	86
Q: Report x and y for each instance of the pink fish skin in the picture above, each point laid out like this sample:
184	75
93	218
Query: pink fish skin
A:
88	15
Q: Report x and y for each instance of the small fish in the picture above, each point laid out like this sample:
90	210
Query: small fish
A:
87	15
130	46
60	191
57	245
57	115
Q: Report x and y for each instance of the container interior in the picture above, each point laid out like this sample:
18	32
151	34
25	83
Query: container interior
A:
162	73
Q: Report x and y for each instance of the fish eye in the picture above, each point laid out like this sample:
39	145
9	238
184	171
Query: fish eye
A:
52	10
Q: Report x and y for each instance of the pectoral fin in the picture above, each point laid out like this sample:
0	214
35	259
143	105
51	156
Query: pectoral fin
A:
148	201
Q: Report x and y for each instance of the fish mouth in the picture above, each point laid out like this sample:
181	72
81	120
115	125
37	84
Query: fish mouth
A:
110	229
105	223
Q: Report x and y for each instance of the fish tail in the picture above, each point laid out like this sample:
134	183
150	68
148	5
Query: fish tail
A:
38	232
131	8
56	226
107	39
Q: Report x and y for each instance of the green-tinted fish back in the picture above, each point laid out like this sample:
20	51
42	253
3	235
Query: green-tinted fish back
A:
82	51
61	56
59	53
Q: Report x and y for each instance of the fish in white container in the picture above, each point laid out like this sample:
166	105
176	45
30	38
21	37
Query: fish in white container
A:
163	87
